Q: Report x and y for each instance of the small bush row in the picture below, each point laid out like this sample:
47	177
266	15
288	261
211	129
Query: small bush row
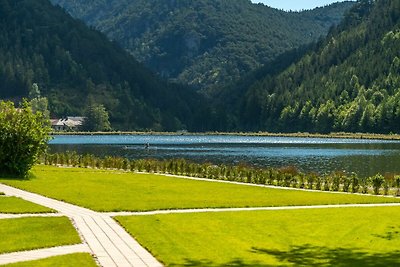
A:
283	177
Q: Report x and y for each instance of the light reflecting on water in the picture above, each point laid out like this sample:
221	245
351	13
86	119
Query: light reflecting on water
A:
366	157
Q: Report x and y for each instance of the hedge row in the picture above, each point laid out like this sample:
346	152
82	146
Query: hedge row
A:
284	177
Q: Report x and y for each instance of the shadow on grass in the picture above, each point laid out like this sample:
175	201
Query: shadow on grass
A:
13	177
392	233
308	255
233	263
312	256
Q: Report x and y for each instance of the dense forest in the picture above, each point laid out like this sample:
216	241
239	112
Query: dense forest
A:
204	43
350	81
40	44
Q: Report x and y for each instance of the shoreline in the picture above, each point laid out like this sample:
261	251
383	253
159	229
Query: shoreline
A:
341	135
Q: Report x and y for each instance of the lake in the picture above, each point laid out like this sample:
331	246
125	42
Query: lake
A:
321	155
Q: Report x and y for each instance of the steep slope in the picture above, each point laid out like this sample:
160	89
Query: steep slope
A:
72	64
348	82
204	43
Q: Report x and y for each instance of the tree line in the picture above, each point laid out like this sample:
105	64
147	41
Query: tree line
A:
349	81
282	177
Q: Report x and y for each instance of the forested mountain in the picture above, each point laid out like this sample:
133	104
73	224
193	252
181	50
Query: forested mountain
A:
74	65
348	82
204	43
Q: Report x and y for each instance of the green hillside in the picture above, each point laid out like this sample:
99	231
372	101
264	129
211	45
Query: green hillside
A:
72	64
204	43
348	82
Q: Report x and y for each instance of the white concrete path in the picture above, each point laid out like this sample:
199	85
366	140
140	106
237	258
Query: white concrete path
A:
42	253
159	212
111	244
107	240
27	215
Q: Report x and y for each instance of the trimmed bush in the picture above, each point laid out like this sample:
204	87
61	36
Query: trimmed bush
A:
377	182
23	136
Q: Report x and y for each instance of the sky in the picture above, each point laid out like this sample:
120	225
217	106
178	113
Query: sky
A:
296	4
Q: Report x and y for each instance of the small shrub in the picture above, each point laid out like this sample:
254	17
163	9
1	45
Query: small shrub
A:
386	187
355	183
327	183
336	182
346	183
23	136
397	184
364	186
377	182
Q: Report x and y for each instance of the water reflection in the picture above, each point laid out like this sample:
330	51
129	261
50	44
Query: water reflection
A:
366	157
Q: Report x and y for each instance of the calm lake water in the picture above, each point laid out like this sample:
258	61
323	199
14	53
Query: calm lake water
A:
321	155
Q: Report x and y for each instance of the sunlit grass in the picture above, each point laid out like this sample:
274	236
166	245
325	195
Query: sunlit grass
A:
121	191
71	260
17	205
322	237
34	233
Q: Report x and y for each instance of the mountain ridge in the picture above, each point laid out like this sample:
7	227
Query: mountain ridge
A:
204	43
347	82
73	65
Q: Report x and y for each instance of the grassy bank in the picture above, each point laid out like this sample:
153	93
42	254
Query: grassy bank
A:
16	205
34	233
335	237
109	190
72	260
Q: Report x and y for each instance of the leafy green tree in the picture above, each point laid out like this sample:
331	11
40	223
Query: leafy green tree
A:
97	119
23	135
38	103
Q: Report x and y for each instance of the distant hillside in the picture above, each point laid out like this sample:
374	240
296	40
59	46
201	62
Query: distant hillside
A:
204	43
40	43
348	82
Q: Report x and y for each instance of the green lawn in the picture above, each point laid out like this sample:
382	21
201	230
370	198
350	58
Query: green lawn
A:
323	237
71	260
33	233
17	205
118	191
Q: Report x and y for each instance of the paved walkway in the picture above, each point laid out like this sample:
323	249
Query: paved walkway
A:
42	253
26	215
107	240
158	212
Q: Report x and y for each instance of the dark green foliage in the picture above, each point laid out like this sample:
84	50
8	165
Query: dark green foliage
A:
377	181
41	44
348	82
204	43
23	135
96	119
397	184
355	183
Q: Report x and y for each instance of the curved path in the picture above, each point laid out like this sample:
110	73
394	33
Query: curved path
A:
107	240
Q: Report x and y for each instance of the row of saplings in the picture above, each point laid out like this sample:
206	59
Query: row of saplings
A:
285	177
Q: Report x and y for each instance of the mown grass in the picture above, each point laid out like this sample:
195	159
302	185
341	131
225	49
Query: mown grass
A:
323	237
16	205
71	260
119	191
34	233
